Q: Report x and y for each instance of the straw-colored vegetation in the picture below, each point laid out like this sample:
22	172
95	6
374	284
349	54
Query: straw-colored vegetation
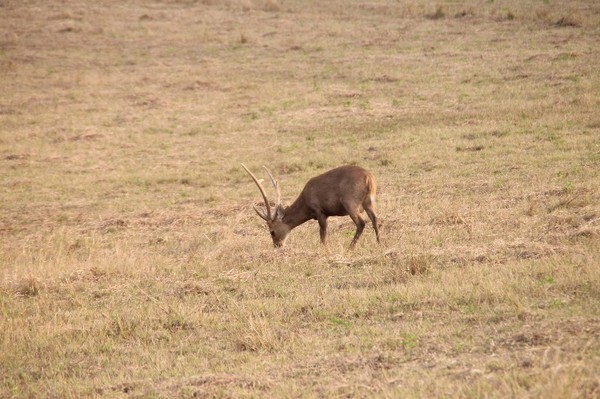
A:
132	264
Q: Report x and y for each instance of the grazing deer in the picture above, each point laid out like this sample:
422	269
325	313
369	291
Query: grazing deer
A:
339	192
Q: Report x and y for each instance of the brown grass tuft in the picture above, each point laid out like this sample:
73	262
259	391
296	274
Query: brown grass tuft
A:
437	14
567	21
27	287
420	264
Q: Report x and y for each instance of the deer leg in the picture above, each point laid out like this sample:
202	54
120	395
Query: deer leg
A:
373	217
360	226
322	219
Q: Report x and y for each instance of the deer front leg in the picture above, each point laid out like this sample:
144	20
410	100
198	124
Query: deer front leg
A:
322	228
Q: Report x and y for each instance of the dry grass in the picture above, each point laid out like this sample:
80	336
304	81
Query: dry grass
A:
132	264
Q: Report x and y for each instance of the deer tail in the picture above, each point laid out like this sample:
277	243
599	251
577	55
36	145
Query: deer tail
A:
372	188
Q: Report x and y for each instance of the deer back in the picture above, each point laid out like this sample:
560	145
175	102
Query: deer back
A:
334	191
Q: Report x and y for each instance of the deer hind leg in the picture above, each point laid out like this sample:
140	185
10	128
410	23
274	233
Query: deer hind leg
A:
369	208
360	226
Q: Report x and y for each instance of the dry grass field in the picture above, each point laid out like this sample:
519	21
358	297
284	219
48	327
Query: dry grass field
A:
133	265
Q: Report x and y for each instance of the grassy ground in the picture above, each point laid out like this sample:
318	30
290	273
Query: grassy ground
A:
132	264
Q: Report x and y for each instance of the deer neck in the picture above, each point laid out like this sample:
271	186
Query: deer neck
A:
296	214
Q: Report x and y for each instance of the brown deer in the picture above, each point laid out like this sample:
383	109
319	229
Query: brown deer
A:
339	192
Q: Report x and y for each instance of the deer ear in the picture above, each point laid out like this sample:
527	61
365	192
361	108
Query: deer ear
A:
279	212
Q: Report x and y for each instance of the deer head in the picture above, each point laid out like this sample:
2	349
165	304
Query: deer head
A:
278	229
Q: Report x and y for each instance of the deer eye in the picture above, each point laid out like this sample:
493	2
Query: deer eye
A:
272	233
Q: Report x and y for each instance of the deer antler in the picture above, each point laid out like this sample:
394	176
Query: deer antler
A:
268	215
276	185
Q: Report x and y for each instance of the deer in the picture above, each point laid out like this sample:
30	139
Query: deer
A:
342	191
